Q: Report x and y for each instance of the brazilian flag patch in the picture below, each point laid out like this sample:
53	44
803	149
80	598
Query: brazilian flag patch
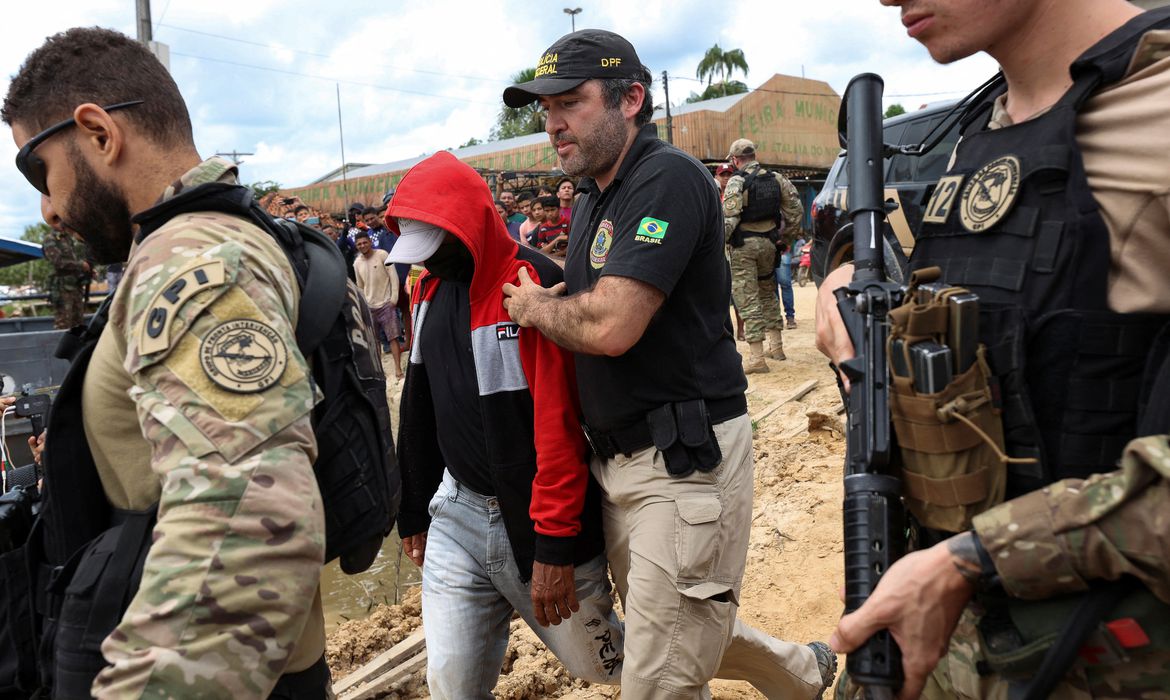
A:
651	230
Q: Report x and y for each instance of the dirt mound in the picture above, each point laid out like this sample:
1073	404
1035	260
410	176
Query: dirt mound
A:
794	566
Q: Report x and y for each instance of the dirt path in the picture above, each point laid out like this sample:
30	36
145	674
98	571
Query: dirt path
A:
794	566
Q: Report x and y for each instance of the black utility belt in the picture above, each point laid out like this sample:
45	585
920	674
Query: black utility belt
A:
682	431
759	234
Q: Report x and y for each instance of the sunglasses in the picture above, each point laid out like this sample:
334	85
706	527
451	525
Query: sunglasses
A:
32	166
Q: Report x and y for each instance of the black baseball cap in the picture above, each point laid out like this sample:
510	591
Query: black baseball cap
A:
575	58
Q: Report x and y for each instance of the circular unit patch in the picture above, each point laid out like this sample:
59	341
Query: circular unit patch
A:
243	356
989	194
599	251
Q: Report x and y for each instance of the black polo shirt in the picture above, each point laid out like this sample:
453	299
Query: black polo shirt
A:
660	222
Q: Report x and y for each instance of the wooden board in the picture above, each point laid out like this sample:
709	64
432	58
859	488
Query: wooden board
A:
800	392
400	652
383	683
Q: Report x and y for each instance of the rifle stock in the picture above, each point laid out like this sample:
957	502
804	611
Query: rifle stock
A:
873	514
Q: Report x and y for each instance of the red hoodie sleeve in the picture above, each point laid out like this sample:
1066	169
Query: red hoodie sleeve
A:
558	491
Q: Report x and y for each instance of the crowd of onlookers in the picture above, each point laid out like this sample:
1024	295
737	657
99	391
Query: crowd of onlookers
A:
538	219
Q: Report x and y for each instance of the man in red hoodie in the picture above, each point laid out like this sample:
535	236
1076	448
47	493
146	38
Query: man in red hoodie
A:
498	506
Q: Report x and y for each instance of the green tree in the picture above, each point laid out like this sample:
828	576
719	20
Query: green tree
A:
471	142
36	272
259	189
731	87
894	110
722	63
519	121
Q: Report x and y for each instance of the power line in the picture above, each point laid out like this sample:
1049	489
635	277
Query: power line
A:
314	54
330	79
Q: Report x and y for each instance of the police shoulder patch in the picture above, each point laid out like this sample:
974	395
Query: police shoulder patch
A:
243	356
161	312
990	193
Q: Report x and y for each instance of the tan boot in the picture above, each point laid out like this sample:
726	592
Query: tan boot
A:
756	363
775	345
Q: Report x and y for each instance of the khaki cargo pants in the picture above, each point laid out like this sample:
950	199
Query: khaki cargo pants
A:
677	549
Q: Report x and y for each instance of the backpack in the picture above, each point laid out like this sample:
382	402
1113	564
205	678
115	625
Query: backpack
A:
761	196
356	467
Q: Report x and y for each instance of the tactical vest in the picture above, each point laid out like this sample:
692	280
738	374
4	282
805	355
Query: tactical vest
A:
762	198
1014	221
85	558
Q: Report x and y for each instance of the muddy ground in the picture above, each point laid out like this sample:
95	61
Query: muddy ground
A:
794	566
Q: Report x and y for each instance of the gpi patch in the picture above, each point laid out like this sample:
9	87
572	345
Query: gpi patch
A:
651	230
156	331
599	251
243	356
989	194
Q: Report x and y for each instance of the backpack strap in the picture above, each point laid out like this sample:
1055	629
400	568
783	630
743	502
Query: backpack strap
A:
325	285
316	261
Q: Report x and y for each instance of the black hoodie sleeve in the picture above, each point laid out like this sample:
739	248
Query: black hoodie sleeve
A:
419	457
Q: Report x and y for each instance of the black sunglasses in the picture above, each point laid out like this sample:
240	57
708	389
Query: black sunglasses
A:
30	164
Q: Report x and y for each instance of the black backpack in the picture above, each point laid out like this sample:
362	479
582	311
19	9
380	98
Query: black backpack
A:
762	196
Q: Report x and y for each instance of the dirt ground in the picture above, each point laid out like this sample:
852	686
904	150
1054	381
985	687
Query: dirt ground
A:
794	565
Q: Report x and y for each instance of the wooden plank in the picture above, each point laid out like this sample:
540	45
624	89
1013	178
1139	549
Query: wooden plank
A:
800	392
388	659
383	683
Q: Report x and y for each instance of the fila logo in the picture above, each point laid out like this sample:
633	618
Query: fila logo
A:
507	331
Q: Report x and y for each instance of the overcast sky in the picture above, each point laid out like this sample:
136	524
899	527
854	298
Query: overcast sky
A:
260	76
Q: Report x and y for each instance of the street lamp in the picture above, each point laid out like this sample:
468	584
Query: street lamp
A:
573	16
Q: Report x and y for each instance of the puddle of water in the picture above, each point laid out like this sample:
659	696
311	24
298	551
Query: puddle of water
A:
346	597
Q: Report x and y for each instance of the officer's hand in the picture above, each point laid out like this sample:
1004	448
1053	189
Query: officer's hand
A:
415	547
832	338
919	600
519	301
554	593
6	401
37	446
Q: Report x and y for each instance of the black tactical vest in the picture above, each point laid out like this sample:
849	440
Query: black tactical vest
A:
1014	221
762	196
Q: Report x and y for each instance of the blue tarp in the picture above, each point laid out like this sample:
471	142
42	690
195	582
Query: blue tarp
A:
13	251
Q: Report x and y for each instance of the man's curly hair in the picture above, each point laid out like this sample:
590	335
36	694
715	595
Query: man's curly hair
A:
91	64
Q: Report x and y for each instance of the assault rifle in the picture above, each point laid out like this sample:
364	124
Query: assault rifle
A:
874	518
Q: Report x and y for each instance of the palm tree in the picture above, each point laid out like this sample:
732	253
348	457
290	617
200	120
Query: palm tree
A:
723	63
519	121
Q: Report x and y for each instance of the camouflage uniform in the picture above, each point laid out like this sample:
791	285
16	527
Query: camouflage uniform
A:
752	283
1054	541
71	275
209	373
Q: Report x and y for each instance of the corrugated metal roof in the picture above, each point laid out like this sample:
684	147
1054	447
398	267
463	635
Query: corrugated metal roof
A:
13	252
461	153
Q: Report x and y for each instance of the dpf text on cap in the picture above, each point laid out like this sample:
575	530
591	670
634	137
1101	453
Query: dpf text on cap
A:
575	58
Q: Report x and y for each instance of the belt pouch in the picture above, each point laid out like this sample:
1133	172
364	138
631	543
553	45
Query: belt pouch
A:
664	433
696	434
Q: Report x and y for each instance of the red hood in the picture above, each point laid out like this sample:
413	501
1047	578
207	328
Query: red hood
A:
445	192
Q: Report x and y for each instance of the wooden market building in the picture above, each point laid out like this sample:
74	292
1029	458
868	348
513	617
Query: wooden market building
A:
793	122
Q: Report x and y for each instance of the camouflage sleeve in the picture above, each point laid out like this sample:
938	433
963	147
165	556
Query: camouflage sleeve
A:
732	205
792	208
1057	539
224	398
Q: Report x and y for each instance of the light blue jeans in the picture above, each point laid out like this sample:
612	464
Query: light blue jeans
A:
471	585
784	280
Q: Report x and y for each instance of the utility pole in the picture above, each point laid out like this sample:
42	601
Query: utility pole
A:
234	155
573	16
669	121
145	35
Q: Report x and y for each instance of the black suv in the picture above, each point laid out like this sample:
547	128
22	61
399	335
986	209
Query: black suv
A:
910	180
